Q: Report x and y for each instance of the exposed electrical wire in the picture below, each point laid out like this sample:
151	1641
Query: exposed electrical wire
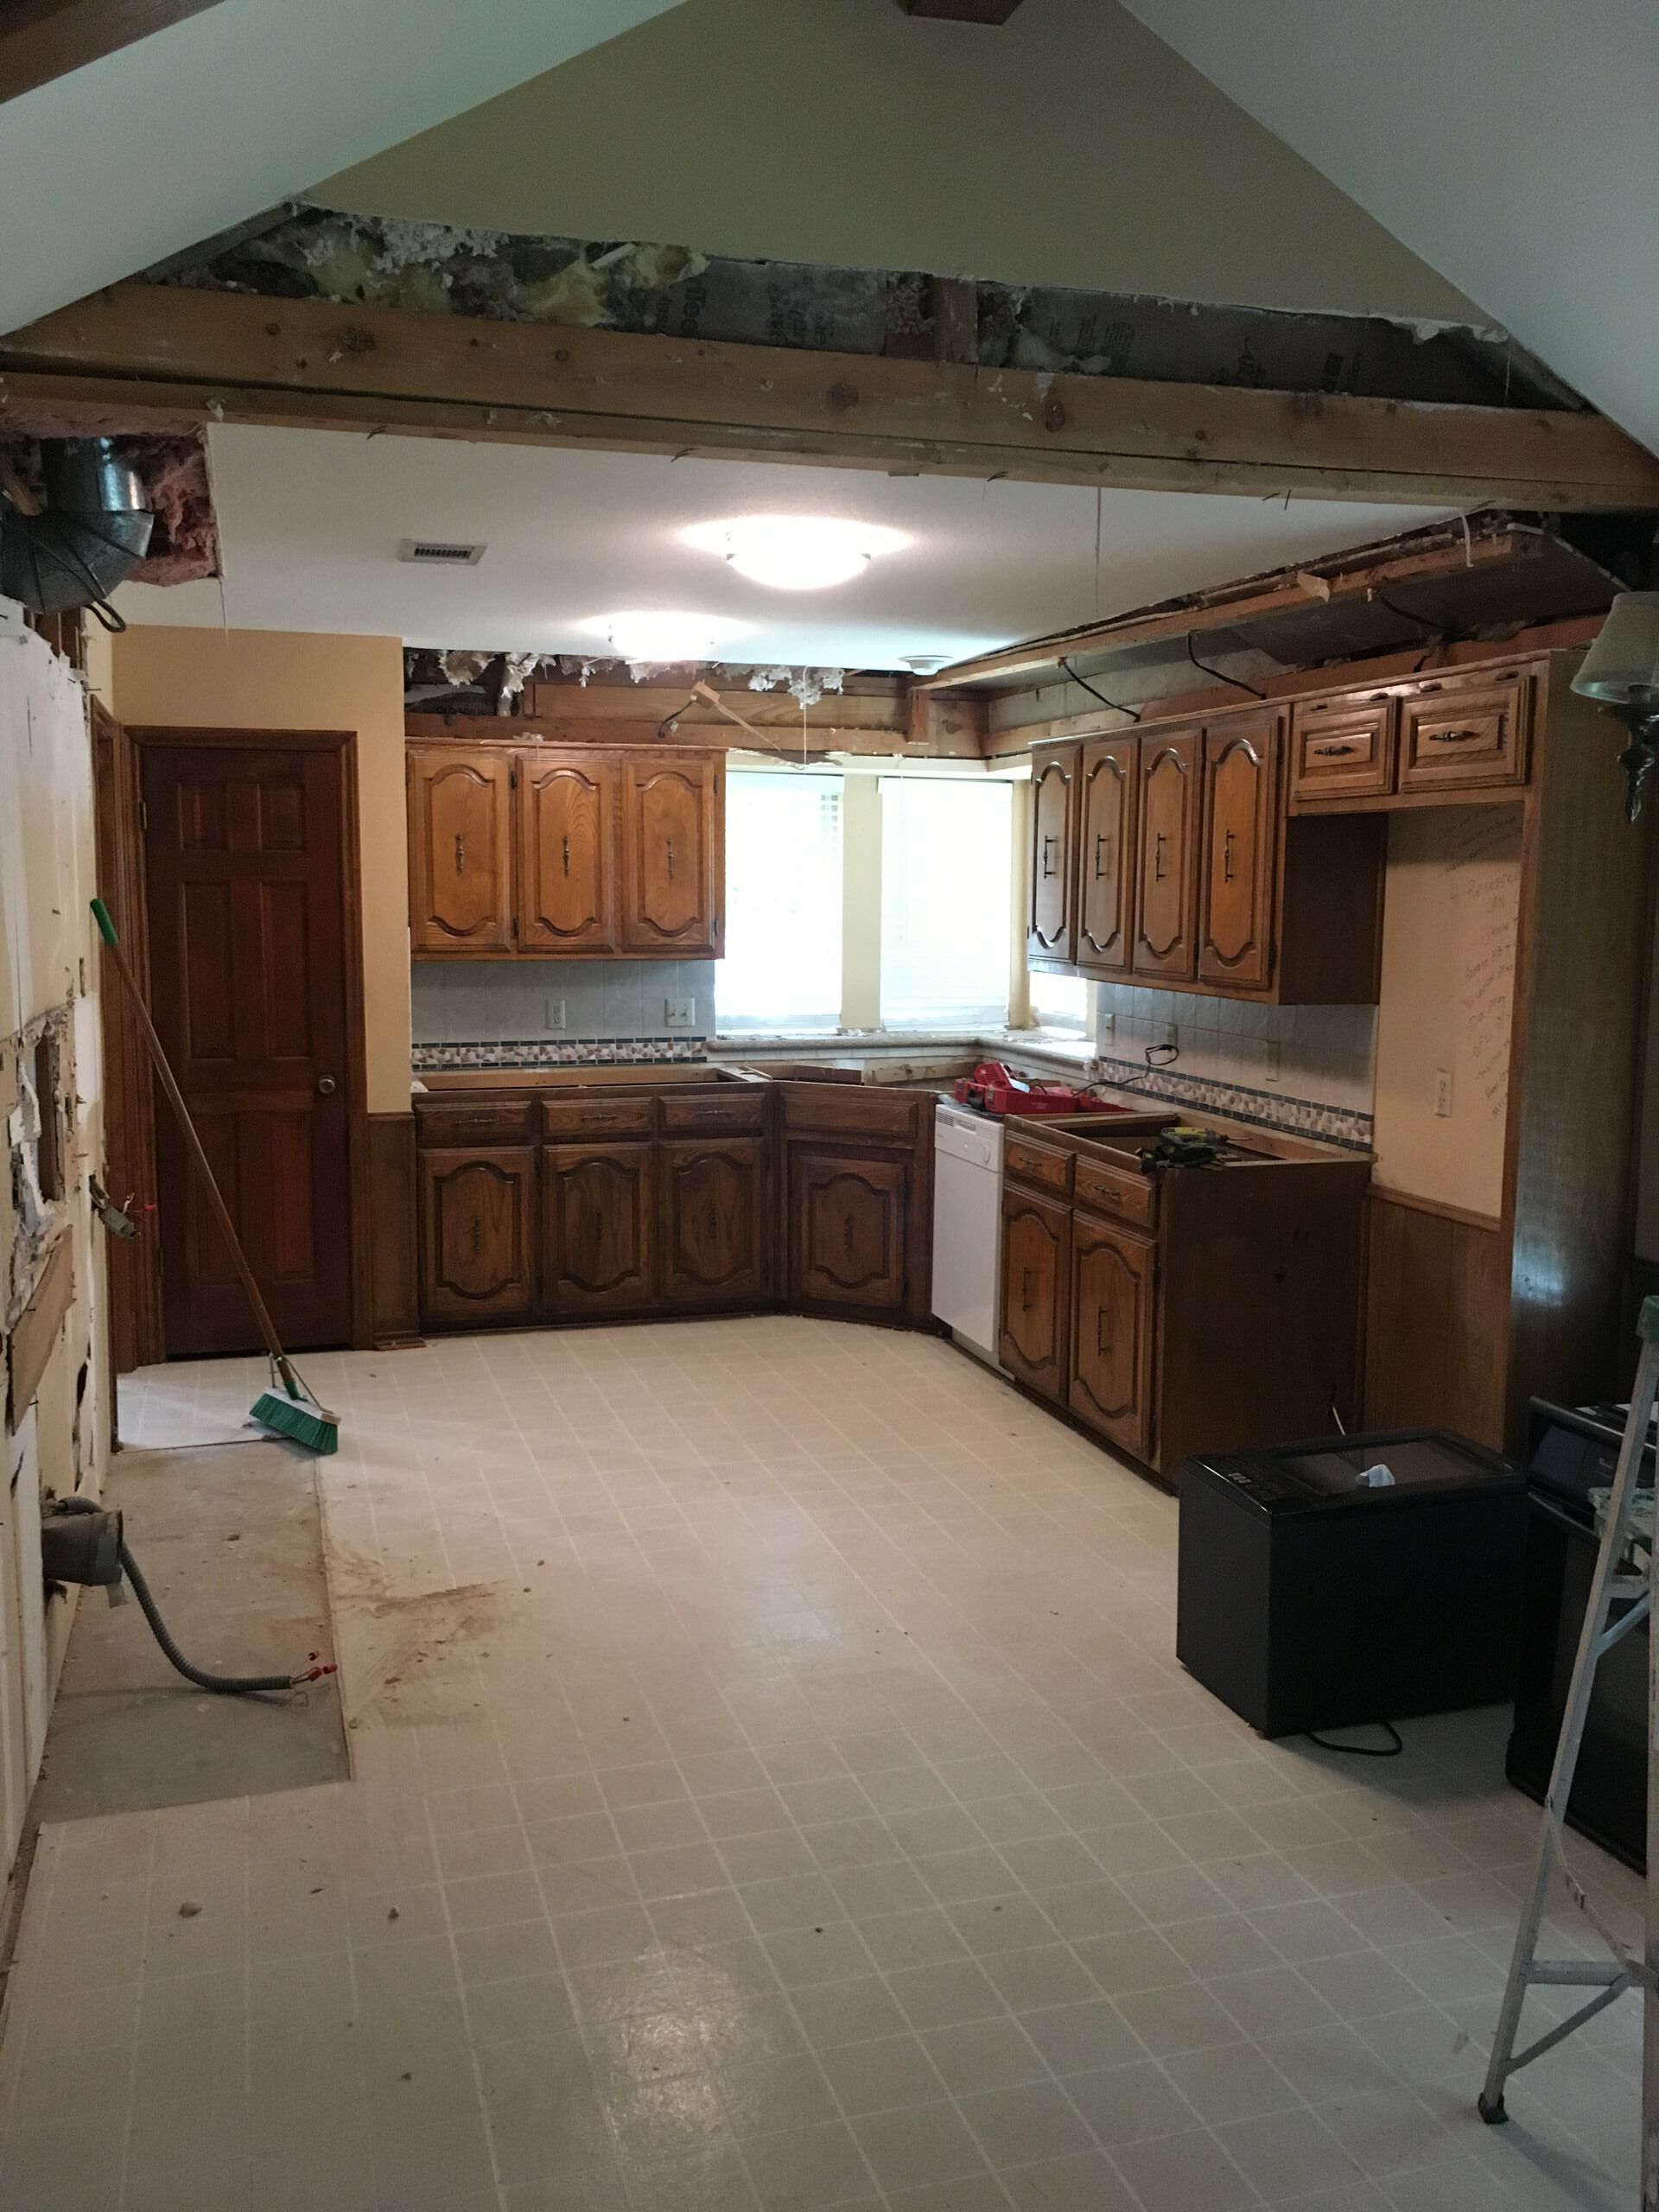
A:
1083	684
1220	675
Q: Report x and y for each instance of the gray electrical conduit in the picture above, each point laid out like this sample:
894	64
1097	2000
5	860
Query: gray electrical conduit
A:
225	1685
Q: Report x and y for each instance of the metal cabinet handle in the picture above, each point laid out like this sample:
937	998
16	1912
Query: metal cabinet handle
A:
1226	857
1024	1290
671	860
1047	841
1452	736
1102	1345
1099	871
461	853
847	1231
1158	843
325	1086
566	857
1329	751
478	1235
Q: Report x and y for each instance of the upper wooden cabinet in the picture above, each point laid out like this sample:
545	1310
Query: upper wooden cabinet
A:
673	870
565	853
1106	850
1418	742
1165	932
1240	826
1051	924
460	850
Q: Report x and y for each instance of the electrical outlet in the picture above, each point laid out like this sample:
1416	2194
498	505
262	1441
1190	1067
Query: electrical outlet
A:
1442	1090
553	1013
679	1014
1270	1061
1107	1028
1163	1032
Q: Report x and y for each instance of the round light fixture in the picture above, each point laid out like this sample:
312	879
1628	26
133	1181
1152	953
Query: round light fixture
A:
662	635
794	552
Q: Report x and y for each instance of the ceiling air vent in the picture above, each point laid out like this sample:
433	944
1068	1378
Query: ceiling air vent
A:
439	553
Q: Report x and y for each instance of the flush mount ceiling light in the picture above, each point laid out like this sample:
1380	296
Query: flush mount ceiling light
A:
794	552
1620	672
659	635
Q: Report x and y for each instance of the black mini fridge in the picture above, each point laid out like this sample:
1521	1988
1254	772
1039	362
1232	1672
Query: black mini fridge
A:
1310	1597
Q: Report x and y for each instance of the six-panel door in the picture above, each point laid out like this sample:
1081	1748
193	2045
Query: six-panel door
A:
1240	833
1166	929
478	1233
1036	1236
714	1197
673	864
846	1223
1049	932
459	850
566	826
1111	1332
1106	857
596	1228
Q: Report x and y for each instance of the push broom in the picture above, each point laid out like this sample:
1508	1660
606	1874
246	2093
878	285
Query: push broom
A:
298	1416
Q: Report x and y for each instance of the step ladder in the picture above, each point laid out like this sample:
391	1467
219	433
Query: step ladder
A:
1618	1580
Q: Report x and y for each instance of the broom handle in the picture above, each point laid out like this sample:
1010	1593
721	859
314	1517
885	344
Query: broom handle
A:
209	1181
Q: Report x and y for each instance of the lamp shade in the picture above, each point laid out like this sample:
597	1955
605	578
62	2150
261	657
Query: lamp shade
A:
1622	667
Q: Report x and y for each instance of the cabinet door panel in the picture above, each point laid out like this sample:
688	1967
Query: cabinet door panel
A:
1240	827
1111	1332
1050	936
714	1220
478	1233
847	1230
1106	857
1036	1239
1165	932
567	855
597	1228
673	855
459	850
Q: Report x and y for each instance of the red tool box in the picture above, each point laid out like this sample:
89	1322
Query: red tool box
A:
996	1090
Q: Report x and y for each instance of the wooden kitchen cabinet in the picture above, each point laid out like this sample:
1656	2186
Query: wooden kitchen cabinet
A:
1459	734
598	1222
1036	1270
1239	851
713	1200
673	861
1051	924
1166	929
1106	856
461	849
1113	1277
1342	748
478	1238
847	1230
566	830
1422	740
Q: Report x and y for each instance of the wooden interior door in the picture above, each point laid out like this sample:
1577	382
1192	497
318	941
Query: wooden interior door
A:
1166	930
713	1220
1112	1333
597	1228
478	1251
245	862
1240	837
673	855
1031	1340
1050	937
847	1219
565	824
460	850
1106	856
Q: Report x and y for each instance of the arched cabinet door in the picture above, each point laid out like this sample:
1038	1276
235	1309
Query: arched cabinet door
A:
596	1228
673	860
1111	1332
1165	933
713	1215
1240	825
460	850
1051	922
1106	849
567	855
477	1234
1036	1240
847	1219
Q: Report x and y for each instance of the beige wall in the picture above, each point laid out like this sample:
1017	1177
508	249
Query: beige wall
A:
278	679
1071	147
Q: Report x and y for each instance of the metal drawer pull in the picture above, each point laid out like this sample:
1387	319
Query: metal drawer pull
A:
1454	736
1329	751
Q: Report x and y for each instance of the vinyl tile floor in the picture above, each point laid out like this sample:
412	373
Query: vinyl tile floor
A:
773	1786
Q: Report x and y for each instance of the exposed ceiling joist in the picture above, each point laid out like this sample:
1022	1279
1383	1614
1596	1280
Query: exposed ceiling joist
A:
961	11
142	356
43	40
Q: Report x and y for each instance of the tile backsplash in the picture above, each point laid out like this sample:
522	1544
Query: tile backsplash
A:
1323	1084
504	1013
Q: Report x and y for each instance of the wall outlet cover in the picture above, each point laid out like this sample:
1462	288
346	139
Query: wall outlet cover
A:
1163	1032
553	1015
1442	1090
1270	1061
679	1014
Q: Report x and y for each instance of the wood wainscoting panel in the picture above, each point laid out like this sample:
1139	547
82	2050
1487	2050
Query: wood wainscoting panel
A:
1437	1319
394	1241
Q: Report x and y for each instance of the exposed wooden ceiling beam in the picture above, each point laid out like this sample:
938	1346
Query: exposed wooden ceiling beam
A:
961	11
145	356
40	39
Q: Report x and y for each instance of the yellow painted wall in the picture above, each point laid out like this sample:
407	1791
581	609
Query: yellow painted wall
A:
1069	147
278	679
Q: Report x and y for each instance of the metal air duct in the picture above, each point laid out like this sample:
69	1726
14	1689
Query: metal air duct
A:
89	533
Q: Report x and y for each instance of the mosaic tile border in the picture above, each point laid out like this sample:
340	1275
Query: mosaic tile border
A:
1296	1117
562	1052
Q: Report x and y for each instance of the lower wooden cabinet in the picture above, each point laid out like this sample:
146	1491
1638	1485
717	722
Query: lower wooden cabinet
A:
847	1230
1112	1283
597	1229
478	1235
713	1197
1036	1249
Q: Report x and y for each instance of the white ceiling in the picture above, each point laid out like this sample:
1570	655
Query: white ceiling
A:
198	127
311	522
1509	143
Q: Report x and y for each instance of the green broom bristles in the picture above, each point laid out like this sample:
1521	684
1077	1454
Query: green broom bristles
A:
319	1432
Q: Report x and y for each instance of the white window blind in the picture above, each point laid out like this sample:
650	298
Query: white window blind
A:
782	968
946	878
1059	1002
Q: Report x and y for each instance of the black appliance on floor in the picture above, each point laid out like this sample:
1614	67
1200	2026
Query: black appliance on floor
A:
1308	1600
1572	1450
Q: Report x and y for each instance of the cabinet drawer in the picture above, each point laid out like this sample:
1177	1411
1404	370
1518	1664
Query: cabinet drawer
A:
599	1117
1342	748
1044	1164
852	1110
1114	1191
507	1122
740	1111
1456	736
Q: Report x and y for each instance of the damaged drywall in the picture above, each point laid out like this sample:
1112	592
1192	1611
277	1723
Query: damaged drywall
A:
463	681
173	470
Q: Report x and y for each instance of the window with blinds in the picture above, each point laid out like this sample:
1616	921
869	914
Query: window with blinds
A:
946	883
782	968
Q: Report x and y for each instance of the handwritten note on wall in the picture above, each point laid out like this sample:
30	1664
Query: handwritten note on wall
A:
1448	988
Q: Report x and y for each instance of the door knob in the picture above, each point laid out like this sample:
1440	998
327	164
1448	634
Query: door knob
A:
325	1086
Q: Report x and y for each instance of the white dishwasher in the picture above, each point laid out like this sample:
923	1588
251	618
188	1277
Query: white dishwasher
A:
968	1225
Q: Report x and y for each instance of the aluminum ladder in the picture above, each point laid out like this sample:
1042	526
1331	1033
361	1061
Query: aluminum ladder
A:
1614	1583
